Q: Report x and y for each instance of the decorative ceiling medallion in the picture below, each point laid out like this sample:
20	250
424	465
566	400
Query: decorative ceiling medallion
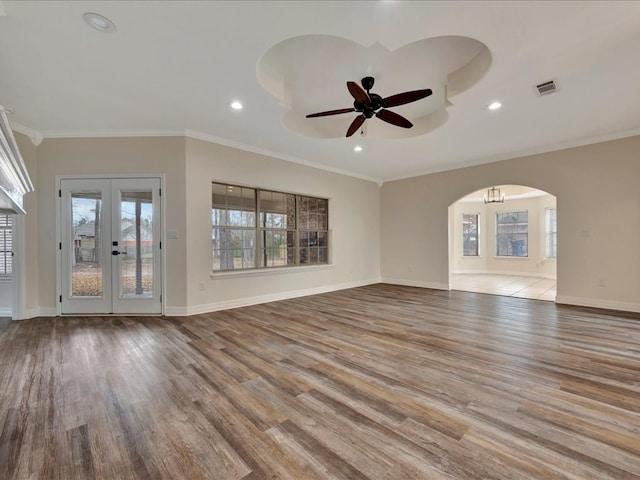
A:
309	74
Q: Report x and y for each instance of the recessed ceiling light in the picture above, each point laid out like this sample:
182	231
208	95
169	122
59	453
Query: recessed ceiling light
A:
236	105
99	22
357	148
494	106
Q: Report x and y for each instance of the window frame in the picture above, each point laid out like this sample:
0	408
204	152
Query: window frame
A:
230	228
551	234
6	248
261	229
517	235
465	235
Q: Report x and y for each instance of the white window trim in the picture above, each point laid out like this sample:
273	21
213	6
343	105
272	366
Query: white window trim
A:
479	255
257	272
257	228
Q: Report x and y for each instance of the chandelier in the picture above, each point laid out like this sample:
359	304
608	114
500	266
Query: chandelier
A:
494	196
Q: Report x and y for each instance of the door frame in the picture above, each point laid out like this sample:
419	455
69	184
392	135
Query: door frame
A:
58	244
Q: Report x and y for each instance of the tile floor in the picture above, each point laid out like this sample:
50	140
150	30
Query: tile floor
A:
506	285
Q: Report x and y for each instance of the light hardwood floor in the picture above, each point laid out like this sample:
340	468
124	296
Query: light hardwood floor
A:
521	286
378	382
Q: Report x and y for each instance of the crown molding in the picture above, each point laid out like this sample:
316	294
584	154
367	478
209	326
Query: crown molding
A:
523	153
112	133
535	193
204	137
35	136
270	153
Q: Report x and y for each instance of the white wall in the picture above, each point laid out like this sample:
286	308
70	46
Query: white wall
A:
110	156
6	298
354	220
598	203
535	264
31	265
189	167
401	231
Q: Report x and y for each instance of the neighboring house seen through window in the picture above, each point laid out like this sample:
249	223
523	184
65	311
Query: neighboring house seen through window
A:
470	234
512	234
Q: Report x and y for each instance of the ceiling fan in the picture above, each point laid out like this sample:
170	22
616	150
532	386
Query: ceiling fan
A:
370	104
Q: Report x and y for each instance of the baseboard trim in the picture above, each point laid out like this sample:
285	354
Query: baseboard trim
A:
245	302
598	303
39	312
273	297
46	312
548	276
6	312
416	283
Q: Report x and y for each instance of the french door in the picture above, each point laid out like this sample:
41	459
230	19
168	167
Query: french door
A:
110	246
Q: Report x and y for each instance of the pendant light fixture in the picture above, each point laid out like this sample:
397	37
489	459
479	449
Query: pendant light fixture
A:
494	196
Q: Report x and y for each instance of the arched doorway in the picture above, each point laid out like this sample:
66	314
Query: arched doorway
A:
507	246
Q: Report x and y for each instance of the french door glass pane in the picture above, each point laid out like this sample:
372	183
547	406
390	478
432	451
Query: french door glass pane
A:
86	263
136	244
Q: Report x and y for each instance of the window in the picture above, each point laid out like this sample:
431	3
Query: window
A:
233	216
277	229
512	234
6	246
470	234
551	232
312	230
254	228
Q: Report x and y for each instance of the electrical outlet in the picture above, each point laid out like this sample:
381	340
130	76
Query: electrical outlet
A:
202	286
602	283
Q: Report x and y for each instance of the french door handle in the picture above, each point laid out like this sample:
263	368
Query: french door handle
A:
116	252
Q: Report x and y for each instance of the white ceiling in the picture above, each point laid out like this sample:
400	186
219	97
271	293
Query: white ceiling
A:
174	67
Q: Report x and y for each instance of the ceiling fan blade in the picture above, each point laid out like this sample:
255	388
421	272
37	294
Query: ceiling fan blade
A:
357	92
331	112
406	97
394	119
355	125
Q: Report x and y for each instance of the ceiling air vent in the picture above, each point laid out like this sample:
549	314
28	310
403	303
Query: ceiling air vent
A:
546	88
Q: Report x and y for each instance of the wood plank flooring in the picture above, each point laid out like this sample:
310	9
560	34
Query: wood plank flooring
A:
379	382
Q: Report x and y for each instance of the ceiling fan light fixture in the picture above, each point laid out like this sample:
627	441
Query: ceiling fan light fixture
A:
99	22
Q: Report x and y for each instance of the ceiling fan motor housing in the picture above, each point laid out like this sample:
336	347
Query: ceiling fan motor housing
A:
375	103
367	83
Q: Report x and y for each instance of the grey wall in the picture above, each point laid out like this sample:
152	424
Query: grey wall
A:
598	201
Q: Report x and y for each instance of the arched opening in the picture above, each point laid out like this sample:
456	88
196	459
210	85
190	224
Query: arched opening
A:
504	243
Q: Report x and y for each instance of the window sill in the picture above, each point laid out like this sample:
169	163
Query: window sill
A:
520	259
257	272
